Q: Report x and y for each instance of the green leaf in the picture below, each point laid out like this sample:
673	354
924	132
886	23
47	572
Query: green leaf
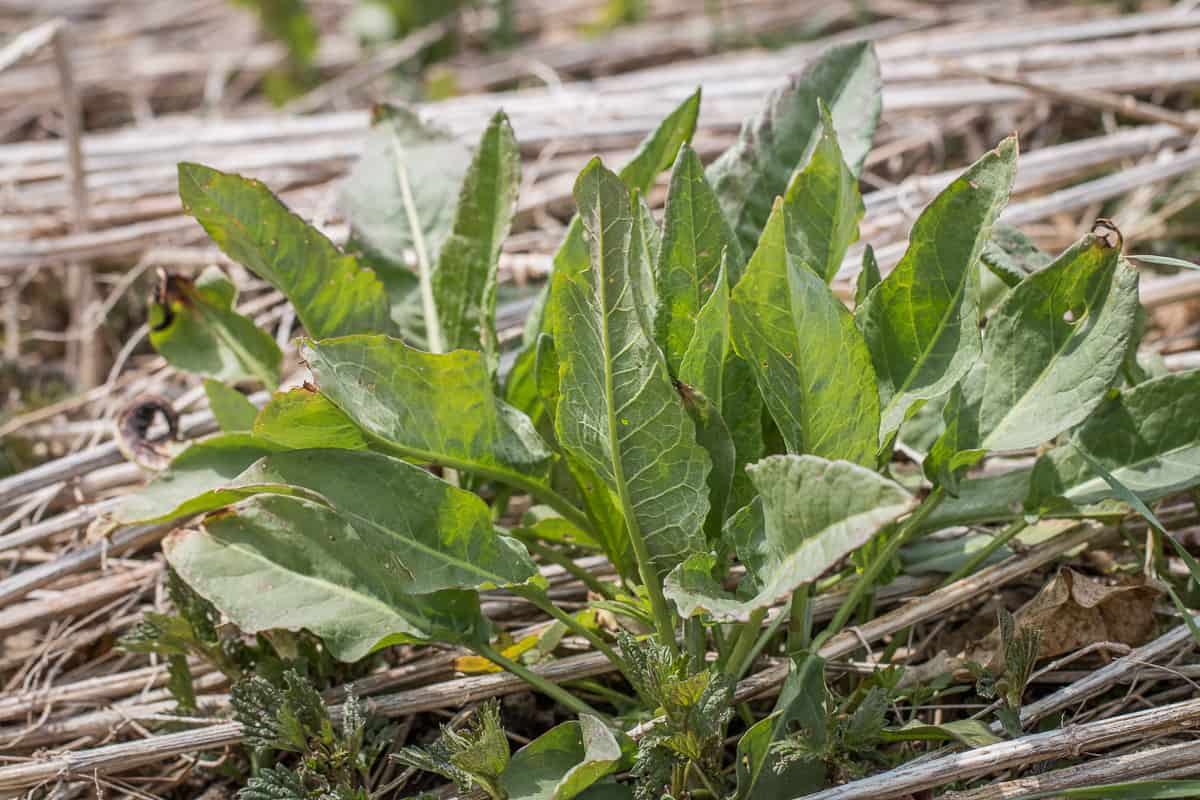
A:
1148	438
302	418
432	408
1167	261
194	327
969	732
772	144
234	412
284	562
868	277
823	204
697	241
1055	346
434	163
922	322
1134	790
713	435
464	281
955	451
202	467
810	361
566	760
815	512
993	498
618	412
332	294
1011	255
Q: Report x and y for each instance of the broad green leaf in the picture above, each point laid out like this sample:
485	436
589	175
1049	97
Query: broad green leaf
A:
566	760
194	327
433	163
332	294
618	412
433	408
922	321
772	144
697	241
284	562
711	366
546	524
970	732
713	435
815	512
1148	438
233	411
823	204
810	361
993	498
645	247
955	451
303	418
464	281
802	703
868	277
1011	255
202	467
1055	346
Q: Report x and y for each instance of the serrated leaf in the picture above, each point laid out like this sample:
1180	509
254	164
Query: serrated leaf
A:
302	418
815	512
233	411
810	361
566	760
618	411
284	562
433	408
464	280
922	322
1148	438
1055	346
823	204
697	241
194	327
771	145
331	293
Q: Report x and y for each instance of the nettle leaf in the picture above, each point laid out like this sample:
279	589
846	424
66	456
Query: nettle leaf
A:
808	357
464	280
922	322
823	203
566	760
331	293
194	327
233	410
618	412
303	418
275	561
771	145
433	162
814	513
1055	346
433	408
1147	438
697	241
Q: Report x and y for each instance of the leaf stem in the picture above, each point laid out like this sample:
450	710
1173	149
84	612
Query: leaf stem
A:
744	643
759	643
433	326
998	541
551	690
800	620
866	582
538	597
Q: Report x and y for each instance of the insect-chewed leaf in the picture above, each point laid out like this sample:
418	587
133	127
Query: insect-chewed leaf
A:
332	294
772	144
922	322
808	357
285	562
1148	438
618	411
1055	346
436	408
195	327
464	281
567	759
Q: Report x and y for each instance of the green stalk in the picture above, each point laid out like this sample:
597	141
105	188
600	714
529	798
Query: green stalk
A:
998	541
694	640
800	620
745	641
759	643
539	599
551	690
554	556
865	585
